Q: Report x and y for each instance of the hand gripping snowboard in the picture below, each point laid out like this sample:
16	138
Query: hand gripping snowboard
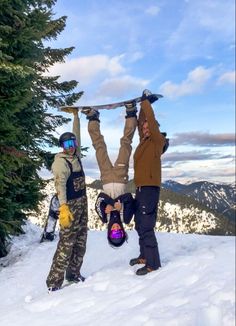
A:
153	97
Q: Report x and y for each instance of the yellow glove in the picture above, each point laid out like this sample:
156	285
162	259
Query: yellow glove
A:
65	216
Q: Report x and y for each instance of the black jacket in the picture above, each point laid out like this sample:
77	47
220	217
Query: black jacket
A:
128	207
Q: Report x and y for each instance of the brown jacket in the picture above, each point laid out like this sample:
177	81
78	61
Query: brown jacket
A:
147	157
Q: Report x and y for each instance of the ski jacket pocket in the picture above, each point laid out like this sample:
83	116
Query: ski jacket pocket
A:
147	199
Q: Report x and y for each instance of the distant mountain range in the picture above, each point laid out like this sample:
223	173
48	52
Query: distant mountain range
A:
182	212
177	212
218	197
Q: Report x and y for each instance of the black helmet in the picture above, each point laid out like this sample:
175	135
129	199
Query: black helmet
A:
66	136
116	238
115	243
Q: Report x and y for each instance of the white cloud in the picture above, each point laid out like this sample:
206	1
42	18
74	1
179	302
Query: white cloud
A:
213	15
152	10
194	83
85	69
203	26
212	171
120	86
136	56
228	77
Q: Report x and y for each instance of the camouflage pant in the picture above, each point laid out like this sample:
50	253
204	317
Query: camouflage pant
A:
71	245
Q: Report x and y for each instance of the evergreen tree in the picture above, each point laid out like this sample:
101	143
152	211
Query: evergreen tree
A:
26	93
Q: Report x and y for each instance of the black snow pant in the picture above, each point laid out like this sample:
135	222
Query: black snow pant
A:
147	198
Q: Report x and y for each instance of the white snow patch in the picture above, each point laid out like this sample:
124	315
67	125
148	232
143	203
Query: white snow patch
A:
194	287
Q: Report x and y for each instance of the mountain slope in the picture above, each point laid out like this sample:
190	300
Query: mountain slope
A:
218	197
177	213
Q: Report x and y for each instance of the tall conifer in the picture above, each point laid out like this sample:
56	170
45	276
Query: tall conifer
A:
26	93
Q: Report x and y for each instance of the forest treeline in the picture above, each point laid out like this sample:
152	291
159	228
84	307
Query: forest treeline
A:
27	92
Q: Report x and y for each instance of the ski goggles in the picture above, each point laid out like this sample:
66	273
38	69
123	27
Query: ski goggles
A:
70	143
116	234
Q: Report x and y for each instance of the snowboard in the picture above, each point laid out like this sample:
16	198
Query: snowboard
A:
136	100
51	220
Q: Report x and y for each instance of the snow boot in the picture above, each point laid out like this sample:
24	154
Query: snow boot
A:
131	109
91	114
144	270
135	261
74	278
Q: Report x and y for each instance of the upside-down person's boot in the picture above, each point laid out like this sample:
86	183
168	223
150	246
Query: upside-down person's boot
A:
131	109
91	114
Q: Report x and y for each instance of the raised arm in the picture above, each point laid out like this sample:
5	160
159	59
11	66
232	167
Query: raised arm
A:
141	120
76	131
147	111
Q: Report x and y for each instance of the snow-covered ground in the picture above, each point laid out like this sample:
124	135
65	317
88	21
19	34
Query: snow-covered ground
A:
194	287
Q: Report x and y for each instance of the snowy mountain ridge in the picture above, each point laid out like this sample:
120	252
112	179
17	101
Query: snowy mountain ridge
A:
174	215
218	197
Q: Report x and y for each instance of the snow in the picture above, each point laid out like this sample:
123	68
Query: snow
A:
89	180
194	287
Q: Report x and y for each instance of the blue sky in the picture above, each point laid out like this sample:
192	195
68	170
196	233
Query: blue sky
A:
184	50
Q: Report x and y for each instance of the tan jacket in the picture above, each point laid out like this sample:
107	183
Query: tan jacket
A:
60	168
147	157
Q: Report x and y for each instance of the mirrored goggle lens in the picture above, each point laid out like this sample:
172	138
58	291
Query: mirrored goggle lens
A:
71	143
116	234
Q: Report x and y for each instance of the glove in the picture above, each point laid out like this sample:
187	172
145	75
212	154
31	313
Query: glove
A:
147	95
69	109
65	216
